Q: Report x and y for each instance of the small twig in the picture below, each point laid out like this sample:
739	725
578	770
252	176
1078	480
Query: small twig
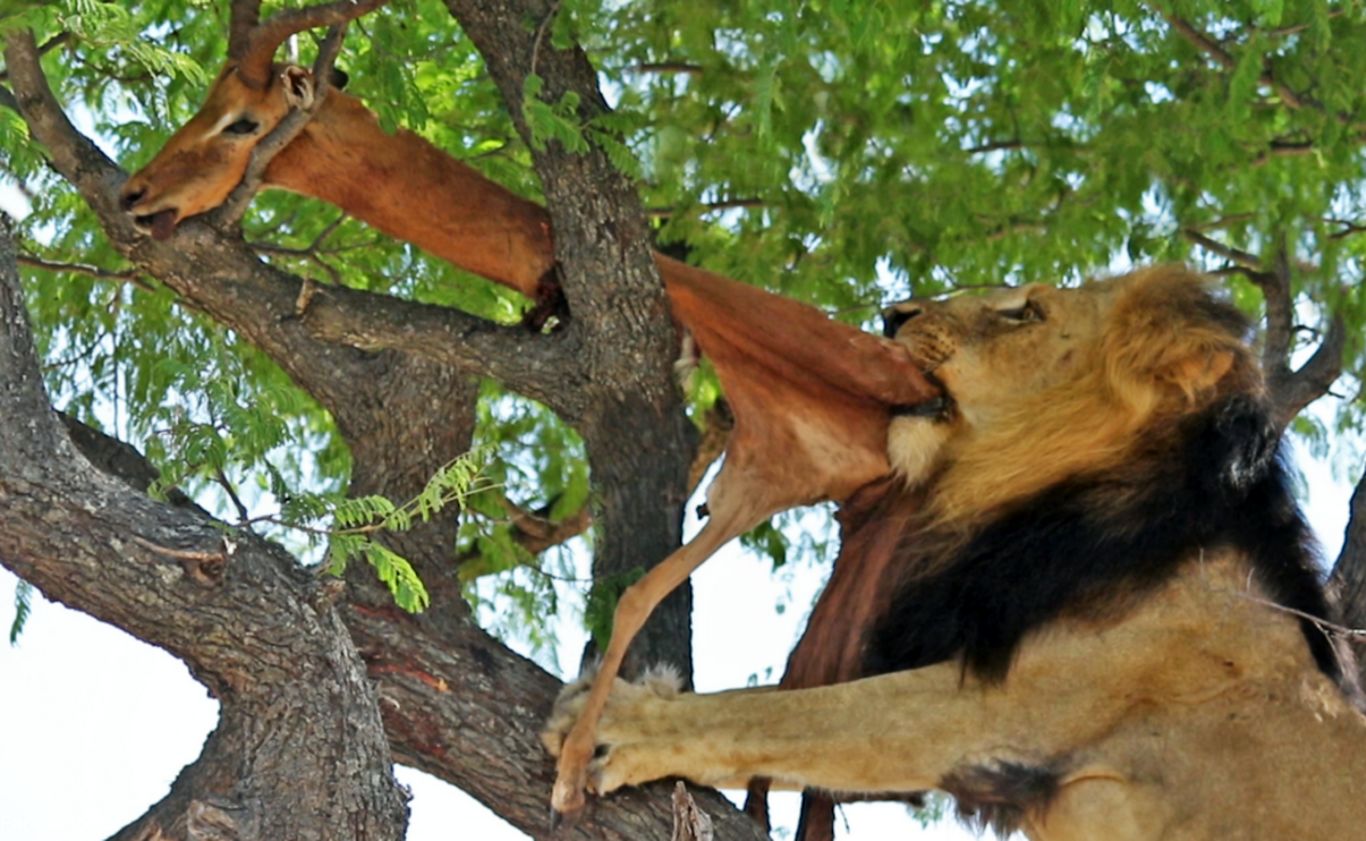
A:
1348	228
1245	259
1221	222
1284	149
682	67
307	289
534	532
80	355
1295	29
203	567
540	34
313	253
124	276
178	554
1318	621
222	478
725	204
996	146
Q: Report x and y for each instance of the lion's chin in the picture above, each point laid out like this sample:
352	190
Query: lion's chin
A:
914	445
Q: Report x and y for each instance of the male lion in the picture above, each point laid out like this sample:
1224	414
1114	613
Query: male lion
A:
1109	619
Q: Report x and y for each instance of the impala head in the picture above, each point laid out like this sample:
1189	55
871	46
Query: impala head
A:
202	162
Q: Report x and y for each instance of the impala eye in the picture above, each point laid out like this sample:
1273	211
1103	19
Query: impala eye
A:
242	126
1028	313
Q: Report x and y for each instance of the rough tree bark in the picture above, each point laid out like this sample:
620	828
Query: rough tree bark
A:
299	751
1348	582
454	701
632	409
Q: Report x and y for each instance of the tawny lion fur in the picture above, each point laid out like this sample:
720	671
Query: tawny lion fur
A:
1189	707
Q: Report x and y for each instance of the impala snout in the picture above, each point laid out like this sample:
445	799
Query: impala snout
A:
160	222
131	196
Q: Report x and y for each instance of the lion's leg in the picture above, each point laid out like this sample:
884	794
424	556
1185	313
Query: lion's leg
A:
899	732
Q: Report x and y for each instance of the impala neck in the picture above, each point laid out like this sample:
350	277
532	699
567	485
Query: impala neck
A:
409	189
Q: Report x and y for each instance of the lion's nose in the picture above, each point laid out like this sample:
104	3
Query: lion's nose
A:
894	317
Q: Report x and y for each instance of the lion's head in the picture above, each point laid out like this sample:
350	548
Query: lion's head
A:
1043	383
1092	441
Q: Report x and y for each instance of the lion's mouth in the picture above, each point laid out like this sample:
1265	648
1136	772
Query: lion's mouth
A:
940	408
161	224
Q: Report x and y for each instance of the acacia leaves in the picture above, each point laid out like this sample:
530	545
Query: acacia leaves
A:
361	522
837	151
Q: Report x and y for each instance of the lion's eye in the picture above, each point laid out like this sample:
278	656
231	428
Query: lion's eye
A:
242	126
1028	313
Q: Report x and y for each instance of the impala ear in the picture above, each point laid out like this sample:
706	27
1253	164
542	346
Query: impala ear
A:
338	78
298	83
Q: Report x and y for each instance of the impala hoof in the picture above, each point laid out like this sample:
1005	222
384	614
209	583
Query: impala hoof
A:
567	798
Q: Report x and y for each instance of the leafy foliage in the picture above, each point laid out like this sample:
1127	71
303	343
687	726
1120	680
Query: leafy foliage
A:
840	152
359	523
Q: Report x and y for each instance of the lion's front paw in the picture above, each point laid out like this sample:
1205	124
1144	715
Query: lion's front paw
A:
622	719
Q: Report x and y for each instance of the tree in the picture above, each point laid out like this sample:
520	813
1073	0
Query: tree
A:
838	153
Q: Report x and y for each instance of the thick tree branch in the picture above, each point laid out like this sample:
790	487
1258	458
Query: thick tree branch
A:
238	611
1348	582
1294	391
1280	316
638	439
529	363
455	702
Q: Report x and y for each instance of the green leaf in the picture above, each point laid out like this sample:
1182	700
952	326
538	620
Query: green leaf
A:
23	606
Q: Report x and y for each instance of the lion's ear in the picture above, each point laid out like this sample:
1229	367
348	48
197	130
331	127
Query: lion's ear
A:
1168	335
1200	372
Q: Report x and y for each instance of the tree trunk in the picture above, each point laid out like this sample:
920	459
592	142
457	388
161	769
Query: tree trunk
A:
241	613
629	412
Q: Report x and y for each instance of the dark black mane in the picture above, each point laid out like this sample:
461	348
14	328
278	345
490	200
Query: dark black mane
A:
1084	542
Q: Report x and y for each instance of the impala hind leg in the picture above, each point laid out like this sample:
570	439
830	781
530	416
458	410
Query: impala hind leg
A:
634	607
